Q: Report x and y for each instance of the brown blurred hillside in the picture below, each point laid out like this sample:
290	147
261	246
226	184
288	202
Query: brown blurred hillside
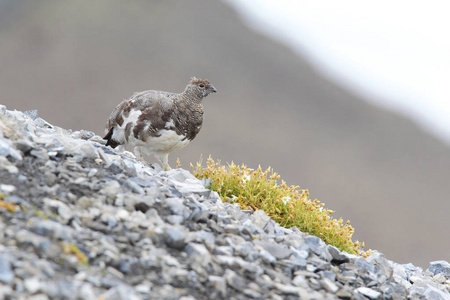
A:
75	60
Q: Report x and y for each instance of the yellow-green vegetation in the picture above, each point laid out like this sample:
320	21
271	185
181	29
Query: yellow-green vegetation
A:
12	207
287	205
71	249
44	215
9	206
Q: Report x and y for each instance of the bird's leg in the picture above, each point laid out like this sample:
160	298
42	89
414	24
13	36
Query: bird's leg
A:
137	151
164	160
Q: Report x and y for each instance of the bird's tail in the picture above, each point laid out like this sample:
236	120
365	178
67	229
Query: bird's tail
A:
109	140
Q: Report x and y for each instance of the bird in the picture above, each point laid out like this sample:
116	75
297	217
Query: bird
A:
156	122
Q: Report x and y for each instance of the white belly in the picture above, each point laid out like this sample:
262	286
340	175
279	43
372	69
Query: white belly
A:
167	142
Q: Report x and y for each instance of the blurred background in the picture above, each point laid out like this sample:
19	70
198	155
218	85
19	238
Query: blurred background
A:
301	89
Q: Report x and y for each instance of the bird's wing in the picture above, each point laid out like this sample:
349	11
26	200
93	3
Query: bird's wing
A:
143	101
156	115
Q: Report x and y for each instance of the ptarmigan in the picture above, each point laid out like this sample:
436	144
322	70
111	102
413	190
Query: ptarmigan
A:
157	122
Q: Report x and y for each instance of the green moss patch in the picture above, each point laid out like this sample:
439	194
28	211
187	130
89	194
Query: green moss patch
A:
287	205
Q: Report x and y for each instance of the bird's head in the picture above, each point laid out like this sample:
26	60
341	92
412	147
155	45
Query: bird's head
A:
200	88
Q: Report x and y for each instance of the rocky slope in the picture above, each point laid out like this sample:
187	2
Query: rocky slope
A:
79	221
75	61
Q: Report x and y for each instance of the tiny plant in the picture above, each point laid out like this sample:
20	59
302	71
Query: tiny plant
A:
71	249
9	206
287	205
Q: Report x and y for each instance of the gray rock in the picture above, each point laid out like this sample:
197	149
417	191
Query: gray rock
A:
175	238
328	274
219	284
260	219
143	288
345	293
7	189
278	251
143	182
366	265
83	134
224	219
55	145
115	167
86	291
40	154
33	114
121	292
32	284
272	228
142	206
92	172
133	186
231	229
5	164
315	244
49	228
252	294
38	297
176	205
24	146
7	150
206	238
329	285
287	289
42	123
294	240
243	248
440	266
337	256
234	280
6	272
5	291
130	167
239	263
198	253
175	220
301	254
59	207
223	250
108	219
432	293
369	293
266	256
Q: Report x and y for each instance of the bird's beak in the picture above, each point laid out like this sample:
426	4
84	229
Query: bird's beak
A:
213	89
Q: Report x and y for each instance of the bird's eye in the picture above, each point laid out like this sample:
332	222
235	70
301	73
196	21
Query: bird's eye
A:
201	85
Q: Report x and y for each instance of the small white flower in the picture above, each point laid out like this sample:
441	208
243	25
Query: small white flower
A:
246	178
285	199
233	197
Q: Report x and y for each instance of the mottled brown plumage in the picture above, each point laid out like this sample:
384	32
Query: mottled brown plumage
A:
157	122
